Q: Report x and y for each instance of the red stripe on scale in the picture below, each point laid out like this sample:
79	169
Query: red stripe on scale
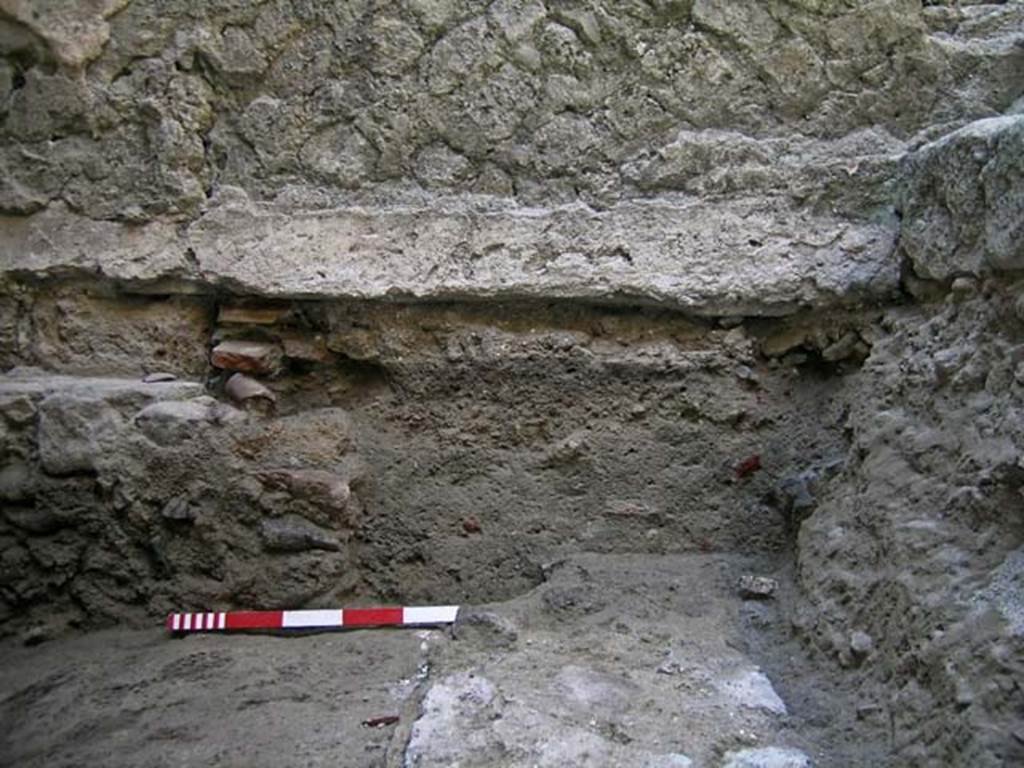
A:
372	617
254	620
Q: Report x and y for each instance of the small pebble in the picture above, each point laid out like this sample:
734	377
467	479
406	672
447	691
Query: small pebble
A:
861	644
756	587
157	377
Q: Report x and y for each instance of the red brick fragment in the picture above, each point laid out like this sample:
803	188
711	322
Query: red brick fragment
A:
748	466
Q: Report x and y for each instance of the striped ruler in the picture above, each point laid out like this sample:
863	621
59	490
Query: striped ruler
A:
320	619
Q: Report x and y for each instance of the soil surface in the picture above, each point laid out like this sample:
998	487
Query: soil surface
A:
613	660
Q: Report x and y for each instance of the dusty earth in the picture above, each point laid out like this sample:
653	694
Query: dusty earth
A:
613	660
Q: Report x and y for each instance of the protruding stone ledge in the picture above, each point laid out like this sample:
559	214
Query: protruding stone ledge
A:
963	201
737	257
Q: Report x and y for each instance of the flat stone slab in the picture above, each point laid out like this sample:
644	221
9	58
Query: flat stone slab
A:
36	384
754	256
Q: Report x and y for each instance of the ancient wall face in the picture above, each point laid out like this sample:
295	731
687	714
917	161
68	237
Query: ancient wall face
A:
136	110
720	157
410	299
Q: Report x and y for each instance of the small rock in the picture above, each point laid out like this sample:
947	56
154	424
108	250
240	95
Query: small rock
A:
783	341
730	322
471	525
671	665
746	373
178	509
842	349
292	533
310	349
157	377
247	391
861	644
752	689
964	286
171	422
794	359
490	627
73	433
756	587
18	410
567	451
356	343
36	635
735	337
37	518
766	757
322	489
867	710
247	356
16	481
253	315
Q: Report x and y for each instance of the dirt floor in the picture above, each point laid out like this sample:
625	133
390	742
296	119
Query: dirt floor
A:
612	661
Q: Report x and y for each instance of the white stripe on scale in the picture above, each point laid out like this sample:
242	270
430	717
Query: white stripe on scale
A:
331	618
438	614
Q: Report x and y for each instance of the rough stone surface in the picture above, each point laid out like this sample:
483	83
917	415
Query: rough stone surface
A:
295	534
721	286
666	152
125	500
914	543
767	757
584	682
963	201
756	587
741	258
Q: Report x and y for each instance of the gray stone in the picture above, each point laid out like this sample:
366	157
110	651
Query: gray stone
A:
861	644
295	534
179	509
156	378
16	482
962	198
766	757
752	587
19	410
171	422
73	431
565	252
841	349
751	688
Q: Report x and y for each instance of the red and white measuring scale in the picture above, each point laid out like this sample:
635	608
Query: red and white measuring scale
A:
315	619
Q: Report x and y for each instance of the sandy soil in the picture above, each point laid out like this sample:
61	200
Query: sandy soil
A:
613	660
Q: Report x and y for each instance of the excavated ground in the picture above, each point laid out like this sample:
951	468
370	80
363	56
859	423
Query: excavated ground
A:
415	454
614	660
588	307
